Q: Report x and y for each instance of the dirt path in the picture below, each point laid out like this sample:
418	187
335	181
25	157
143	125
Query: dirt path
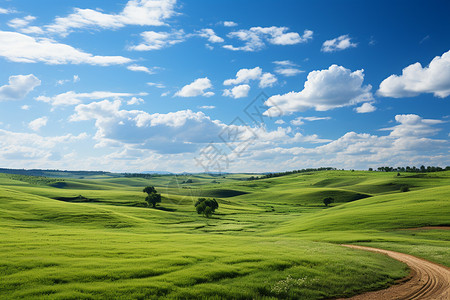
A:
427	280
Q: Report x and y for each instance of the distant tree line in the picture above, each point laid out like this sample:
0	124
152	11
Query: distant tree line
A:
50	173
421	169
271	175
140	175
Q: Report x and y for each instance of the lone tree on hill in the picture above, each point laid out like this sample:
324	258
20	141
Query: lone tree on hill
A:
206	206
328	200
153	197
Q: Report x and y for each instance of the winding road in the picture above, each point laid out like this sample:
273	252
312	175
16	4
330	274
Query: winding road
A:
426	281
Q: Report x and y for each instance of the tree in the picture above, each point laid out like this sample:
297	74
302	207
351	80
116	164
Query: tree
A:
206	206
328	200
153	197
149	190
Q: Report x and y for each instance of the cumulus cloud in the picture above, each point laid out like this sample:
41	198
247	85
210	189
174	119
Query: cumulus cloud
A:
415	80
18	47
340	43
267	80
236	92
37	124
405	145
256	37
287	68
324	90
73	98
413	125
229	24
18	87
209	34
153	40
246	75
365	108
135	12
135	100
196	88
31	148
174	132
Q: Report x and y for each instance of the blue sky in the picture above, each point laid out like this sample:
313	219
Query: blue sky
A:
230	86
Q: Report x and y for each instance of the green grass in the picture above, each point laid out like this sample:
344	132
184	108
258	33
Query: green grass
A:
270	238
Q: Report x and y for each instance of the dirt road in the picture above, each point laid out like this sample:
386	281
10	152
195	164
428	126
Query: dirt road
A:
427	280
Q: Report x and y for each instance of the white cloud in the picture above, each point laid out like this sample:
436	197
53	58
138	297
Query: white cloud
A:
324	90
157	40
75	79
135	100
415	79
18	47
32	30
21	22
288	71
236	92
37	124
31	148
340	43
157	85
19	86
207	107
229	24
5	11
267	80
279	122
413	125
25	107
135	12
287	68
244	76
365	108
255	37
405	145
73	98
137	68
300	120
175	132
196	88
209	34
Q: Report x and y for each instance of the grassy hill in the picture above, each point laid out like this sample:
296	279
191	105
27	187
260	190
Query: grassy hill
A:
94	238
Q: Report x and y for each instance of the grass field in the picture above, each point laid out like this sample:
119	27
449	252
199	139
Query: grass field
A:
94	238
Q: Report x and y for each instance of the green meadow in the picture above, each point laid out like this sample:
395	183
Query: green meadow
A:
273	238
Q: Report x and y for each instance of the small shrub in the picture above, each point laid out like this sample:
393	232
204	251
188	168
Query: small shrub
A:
404	188
328	200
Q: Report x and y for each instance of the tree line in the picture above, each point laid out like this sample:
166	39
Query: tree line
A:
278	174
421	169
